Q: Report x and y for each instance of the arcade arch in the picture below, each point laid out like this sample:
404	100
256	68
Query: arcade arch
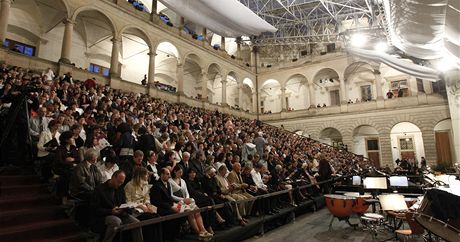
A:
444	145
270	93
327	87
296	92
166	62
407	142
366	142
330	136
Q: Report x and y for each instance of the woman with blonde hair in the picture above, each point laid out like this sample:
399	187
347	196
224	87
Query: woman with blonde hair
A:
137	196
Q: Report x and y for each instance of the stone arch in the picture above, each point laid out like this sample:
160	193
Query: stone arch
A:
366	142
330	136
233	83
359	75
327	85
193	69
87	8
166	60
95	29
270	96
137	45
214	84
297	92
247	98
407	141
444	138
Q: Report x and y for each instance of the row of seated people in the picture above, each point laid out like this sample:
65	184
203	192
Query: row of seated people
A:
71	119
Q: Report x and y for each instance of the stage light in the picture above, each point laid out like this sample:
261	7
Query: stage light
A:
358	40
381	46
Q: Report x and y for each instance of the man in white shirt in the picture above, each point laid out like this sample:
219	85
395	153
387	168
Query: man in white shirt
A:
49	74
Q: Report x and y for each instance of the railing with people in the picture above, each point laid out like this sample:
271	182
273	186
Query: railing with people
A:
127	227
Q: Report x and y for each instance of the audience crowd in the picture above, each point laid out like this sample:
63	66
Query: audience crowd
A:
128	157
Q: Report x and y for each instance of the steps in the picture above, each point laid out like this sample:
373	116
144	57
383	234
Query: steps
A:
29	213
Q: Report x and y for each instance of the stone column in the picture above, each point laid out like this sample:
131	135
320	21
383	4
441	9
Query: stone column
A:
154	6
238	50
151	75
5	6
378	84
240	96
67	41
311	92
253	60
452	79
386	153
204	86
180	78
224	90
343	92
204	32
181	24
429	145
428	87
283	99
153	13
222	43
254	102
114	69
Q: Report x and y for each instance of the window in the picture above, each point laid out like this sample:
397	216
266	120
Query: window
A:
366	93
372	144
19	47
420	85
400	84
94	68
406	144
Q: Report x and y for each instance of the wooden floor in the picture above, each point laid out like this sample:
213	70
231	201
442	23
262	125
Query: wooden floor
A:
315	227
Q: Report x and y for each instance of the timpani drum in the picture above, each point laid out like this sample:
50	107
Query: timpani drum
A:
339	206
360	206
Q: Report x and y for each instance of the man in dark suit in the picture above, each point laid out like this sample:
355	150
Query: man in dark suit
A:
185	163
106	203
198	165
160	196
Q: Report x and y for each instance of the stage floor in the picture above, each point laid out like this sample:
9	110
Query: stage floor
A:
315	227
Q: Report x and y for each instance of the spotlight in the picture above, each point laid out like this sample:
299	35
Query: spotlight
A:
381	46
358	40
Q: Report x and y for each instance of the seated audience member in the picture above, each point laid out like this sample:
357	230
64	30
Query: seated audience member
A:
137	195
85	177
153	167
108	165
212	189
106	202
253	178
179	193
227	190
129	165
240	187
47	145
160	196
66	159
38	124
202	199
278	182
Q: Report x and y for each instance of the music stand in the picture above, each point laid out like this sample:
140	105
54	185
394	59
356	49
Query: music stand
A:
399	181
374	184
394	202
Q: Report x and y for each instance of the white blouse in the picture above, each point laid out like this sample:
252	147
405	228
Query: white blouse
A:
176	187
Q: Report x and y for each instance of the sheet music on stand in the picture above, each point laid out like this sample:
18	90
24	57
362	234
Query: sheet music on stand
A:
399	181
393	202
377	183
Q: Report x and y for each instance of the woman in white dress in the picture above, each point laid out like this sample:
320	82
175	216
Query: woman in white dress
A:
180	195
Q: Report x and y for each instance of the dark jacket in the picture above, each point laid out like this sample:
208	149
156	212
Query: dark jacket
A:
160	196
